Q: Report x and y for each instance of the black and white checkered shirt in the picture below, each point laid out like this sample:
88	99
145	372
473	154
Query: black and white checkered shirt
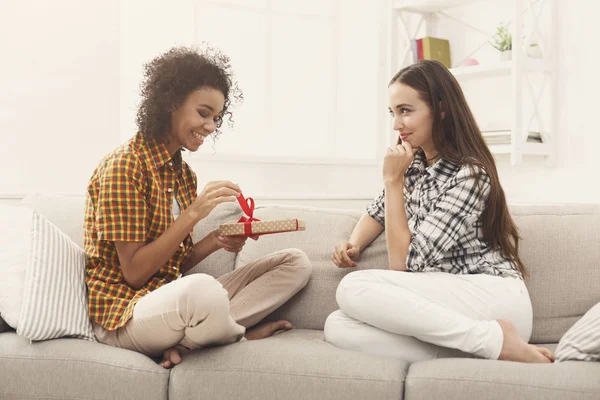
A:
443	206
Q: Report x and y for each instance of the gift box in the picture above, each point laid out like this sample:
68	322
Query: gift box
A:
262	227
250	226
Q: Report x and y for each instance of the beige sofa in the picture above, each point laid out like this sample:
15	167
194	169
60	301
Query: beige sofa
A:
561	247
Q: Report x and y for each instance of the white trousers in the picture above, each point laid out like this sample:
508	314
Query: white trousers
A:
426	315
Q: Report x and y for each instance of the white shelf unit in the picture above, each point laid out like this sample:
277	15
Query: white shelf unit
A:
517	70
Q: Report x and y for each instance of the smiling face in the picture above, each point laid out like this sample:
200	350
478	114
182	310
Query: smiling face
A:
413	119
195	119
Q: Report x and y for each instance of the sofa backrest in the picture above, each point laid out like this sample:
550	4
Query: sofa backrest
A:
560	248
68	214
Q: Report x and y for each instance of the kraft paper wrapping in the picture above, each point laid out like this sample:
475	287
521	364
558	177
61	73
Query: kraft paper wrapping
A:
263	227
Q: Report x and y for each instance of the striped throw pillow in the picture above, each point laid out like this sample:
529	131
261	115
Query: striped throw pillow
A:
582	341
54	300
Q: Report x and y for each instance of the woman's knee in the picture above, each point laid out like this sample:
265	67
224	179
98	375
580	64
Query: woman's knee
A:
351	286
300	265
338	330
333	328
203	289
195	282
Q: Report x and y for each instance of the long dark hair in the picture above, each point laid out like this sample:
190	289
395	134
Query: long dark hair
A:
457	138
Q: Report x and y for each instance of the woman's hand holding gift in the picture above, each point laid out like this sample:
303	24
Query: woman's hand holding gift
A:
232	244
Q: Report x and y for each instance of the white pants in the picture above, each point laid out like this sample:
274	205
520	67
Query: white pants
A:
426	315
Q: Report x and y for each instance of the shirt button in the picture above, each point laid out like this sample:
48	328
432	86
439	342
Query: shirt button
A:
169	190
170	163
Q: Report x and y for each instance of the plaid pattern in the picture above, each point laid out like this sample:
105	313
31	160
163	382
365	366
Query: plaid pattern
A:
129	198
443	205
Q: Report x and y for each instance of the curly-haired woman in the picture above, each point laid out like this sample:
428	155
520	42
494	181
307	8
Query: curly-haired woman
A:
141	207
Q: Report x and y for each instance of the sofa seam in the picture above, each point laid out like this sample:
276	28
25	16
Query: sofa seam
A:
291	373
498	383
83	361
18	396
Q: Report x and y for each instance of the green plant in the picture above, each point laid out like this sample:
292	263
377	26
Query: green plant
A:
502	38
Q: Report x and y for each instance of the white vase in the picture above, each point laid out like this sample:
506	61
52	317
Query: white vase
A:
506	55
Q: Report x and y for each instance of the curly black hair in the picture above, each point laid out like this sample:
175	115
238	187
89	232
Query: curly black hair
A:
172	76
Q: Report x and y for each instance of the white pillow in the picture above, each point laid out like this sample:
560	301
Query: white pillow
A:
15	243
582	341
53	299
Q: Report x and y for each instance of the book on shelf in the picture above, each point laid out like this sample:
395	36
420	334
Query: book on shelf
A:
493	137
430	48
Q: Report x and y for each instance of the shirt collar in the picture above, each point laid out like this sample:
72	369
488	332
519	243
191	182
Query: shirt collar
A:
157	151
441	170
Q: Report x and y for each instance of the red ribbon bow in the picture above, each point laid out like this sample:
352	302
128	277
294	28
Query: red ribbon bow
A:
248	208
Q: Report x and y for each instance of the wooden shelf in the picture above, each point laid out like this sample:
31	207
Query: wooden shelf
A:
430	6
406	14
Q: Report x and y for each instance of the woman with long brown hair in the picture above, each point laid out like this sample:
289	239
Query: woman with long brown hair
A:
455	280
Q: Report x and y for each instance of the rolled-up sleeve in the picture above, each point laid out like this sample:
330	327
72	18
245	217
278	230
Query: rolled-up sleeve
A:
376	209
454	214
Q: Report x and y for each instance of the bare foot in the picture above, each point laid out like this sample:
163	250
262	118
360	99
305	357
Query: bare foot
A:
267	329
171	358
546	352
516	349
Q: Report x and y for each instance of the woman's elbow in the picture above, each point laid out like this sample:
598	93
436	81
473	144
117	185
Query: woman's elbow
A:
135	282
397	267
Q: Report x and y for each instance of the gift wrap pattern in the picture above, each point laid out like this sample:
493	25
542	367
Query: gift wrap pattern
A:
262	227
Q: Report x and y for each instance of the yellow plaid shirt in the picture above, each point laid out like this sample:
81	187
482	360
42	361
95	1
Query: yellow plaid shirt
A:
130	199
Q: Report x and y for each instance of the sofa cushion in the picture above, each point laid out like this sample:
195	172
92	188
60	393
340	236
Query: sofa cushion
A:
582	341
76	369
324	228
15	248
220	262
66	213
293	365
560	247
41	278
54	294
490	380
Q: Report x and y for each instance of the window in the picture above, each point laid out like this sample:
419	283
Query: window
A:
309	70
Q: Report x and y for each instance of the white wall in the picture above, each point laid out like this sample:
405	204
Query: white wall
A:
283	115
574	176
59	92
575	179
60	74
